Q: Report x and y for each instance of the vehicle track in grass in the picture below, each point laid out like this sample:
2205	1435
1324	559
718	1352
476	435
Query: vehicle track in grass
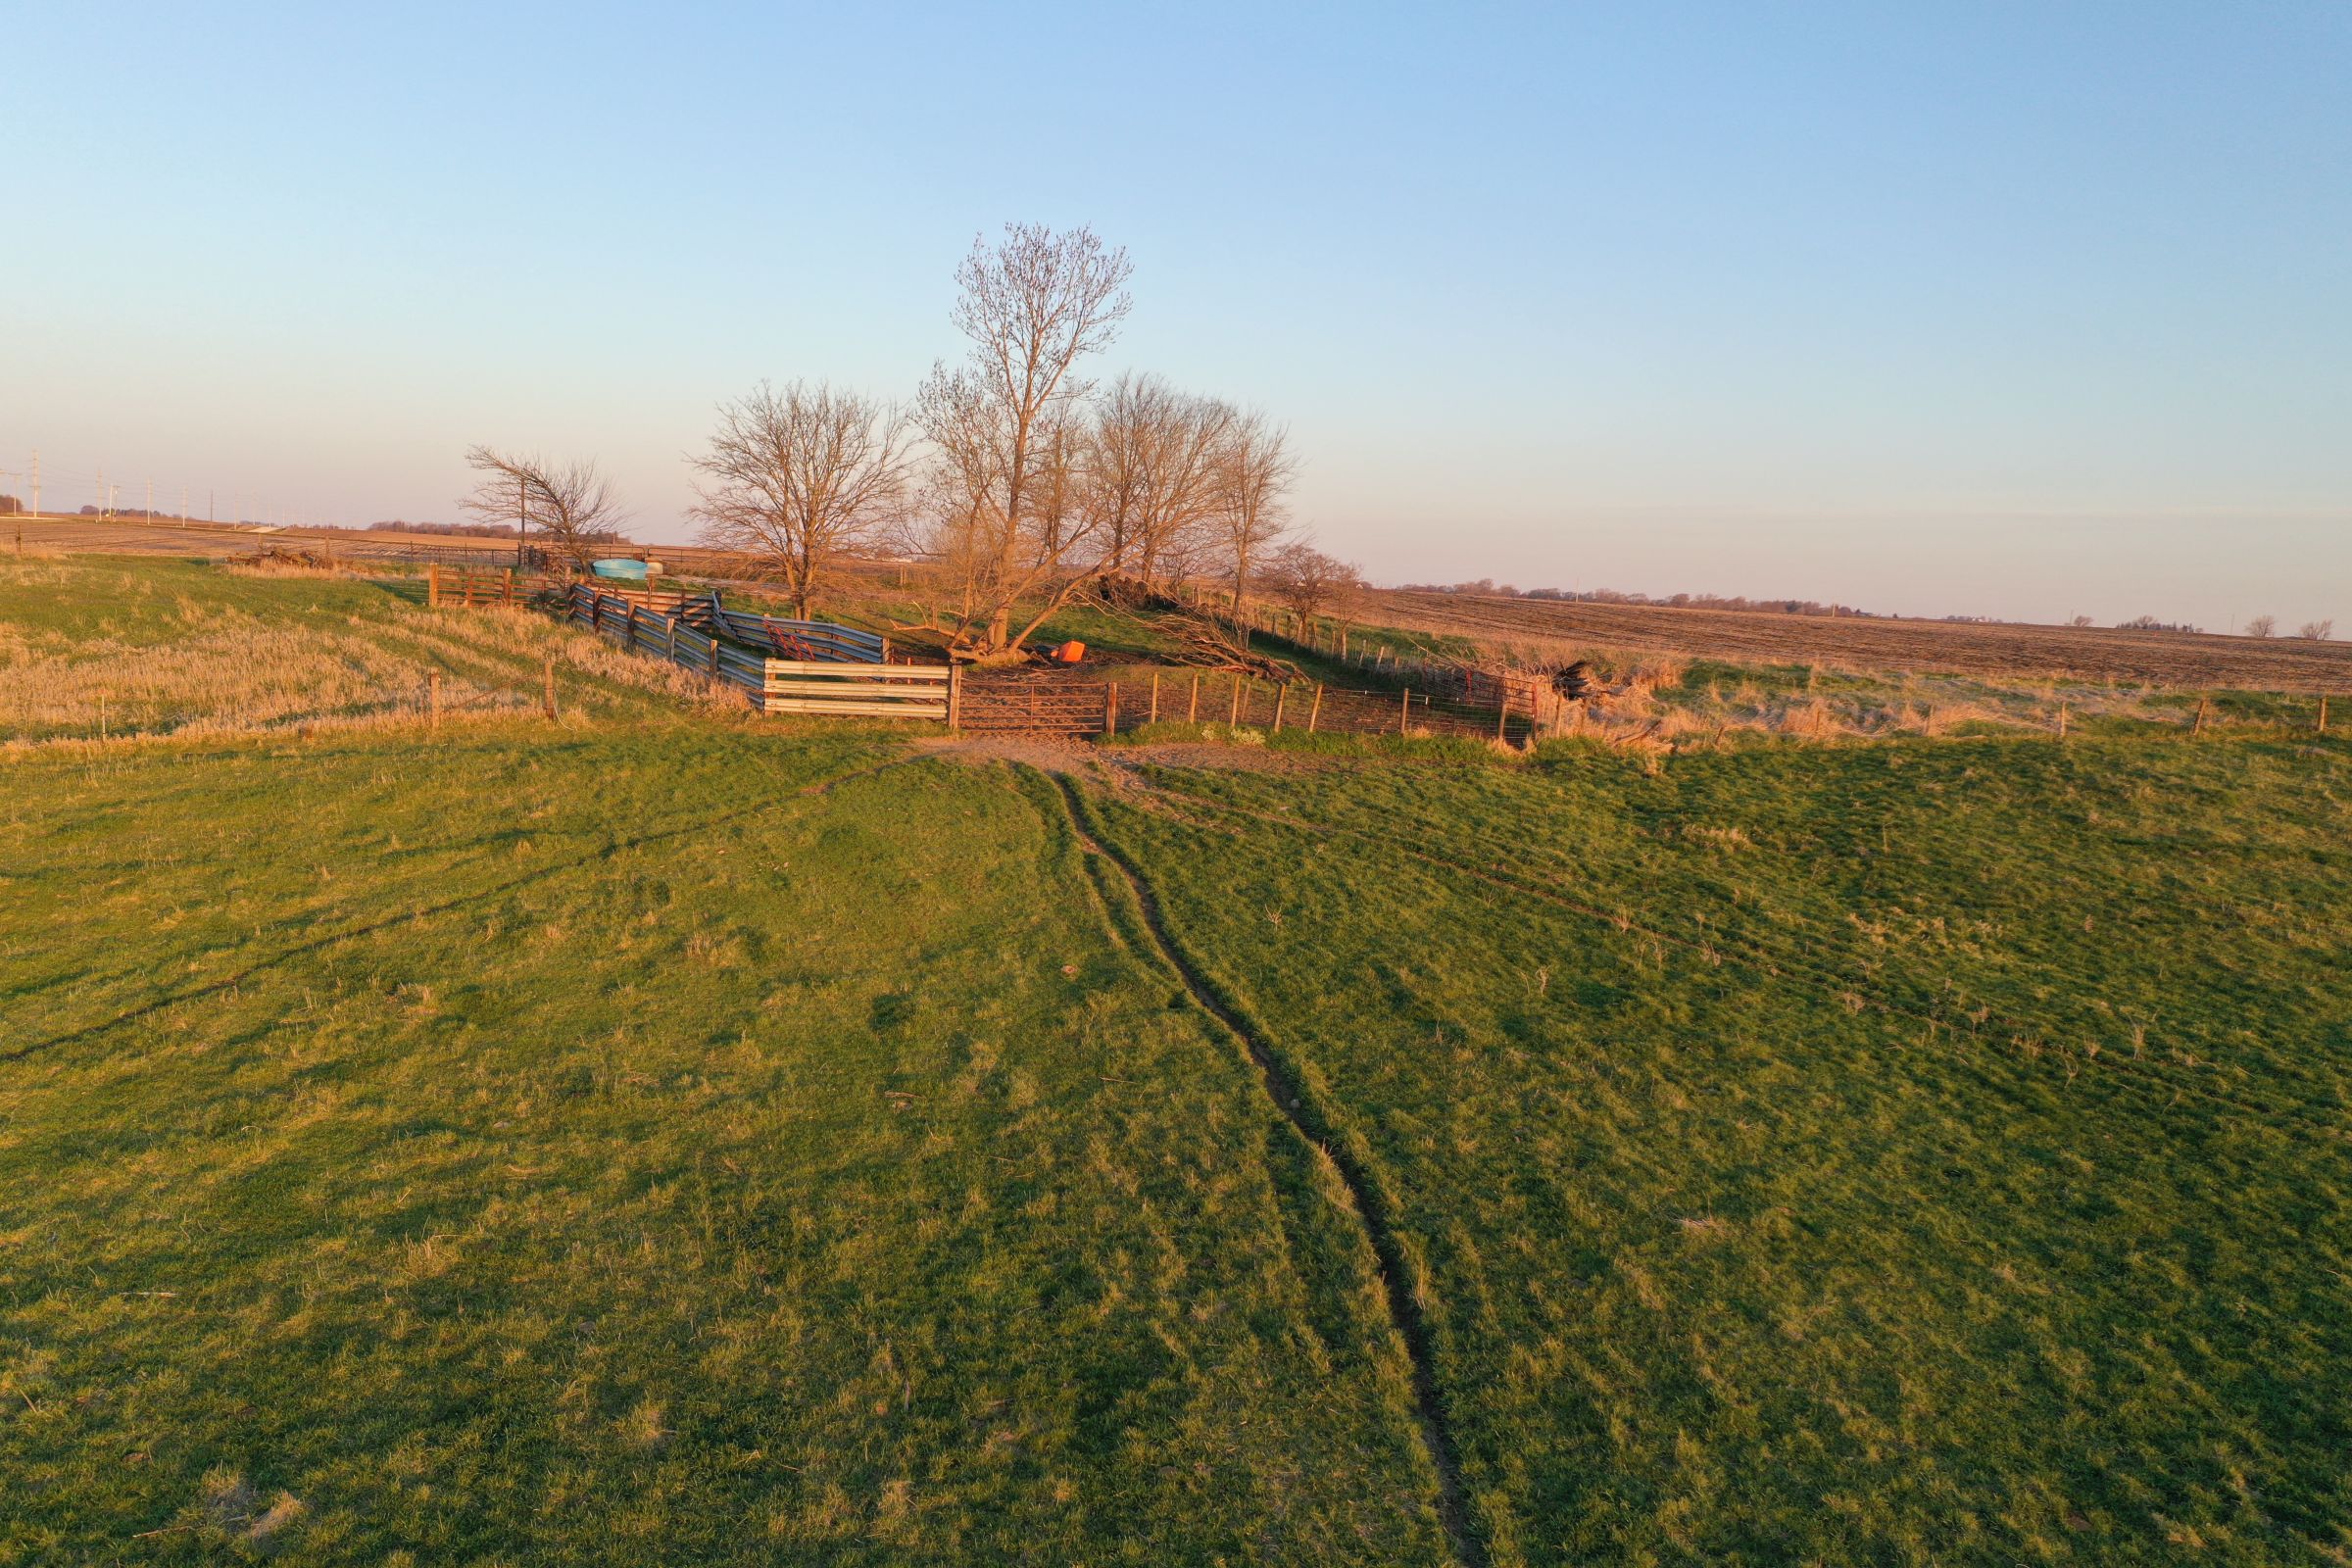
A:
1313	1123
1873	993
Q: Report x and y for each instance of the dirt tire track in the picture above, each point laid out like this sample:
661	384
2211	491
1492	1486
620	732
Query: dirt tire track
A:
1313	1124
1815	973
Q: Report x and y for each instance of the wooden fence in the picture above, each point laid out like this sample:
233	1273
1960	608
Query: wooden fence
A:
469	586
839	686
1149	695
1460	697
822	667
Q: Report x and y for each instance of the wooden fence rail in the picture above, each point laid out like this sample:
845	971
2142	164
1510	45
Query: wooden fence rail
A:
469	586
844	687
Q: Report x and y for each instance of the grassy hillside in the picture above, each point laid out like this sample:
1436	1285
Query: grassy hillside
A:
667	1137
604	1149
97	647
1901	1154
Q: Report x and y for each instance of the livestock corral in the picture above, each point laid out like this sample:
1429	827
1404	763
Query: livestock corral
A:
1441	664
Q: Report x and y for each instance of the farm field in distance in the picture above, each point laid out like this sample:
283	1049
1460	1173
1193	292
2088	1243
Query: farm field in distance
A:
662	1135
1875	643
1545	628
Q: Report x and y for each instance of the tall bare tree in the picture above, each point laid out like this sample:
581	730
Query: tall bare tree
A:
1152	461
1120	451
1034	305
799	476
573	502
1254	474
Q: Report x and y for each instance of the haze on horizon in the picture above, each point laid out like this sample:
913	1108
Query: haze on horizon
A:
2002	310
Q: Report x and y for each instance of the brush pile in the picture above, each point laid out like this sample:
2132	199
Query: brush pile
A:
278	556
1203	643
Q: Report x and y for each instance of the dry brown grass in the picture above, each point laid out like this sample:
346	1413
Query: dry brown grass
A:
226	671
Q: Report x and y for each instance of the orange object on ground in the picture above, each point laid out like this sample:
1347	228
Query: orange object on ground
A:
1070	653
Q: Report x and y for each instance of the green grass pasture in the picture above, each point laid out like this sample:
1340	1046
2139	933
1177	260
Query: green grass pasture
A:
1904	1153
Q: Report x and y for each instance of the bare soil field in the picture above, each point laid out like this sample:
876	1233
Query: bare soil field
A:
2163	658
97	535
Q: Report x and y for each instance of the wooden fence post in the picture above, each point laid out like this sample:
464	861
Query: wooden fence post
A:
1155	698
507	588
715	654
1315	711
1233	712
1405	711
954	695
2322	712
1192	715
1281	694
2197	726
1111	708
432	585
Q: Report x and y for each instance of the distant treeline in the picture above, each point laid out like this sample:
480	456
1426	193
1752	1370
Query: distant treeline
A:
1487	586
118	512
472	531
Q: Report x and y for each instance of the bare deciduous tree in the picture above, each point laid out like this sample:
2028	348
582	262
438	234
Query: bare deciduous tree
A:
2080	621
572	503
1310	583
2262	626
1153	465
1254	473
1034	306
798	477
2318	631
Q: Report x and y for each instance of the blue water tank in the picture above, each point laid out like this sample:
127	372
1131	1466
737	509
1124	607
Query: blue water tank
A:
624	571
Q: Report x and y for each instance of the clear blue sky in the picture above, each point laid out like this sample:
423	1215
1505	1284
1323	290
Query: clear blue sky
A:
2012	308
